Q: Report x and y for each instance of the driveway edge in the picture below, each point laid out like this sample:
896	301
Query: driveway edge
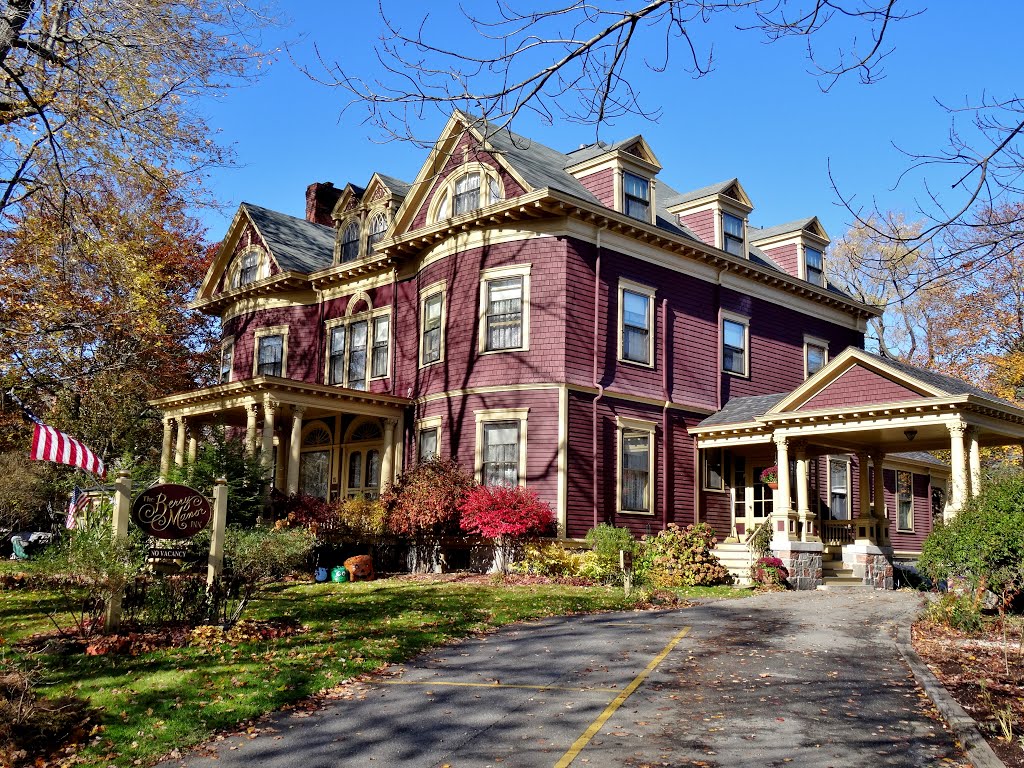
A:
963	725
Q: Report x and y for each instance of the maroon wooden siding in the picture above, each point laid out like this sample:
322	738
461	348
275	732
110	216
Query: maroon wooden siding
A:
602	185
303	349
716	511
922	505
466	150
859	386
702	224
786	256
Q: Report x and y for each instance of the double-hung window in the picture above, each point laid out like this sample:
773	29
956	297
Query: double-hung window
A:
356	372
501	453
249	268
381	337
504	308
815	355
734	345
227	356
904	501
350	243
431	324
636	192
635	323
732	234
336	363
270	355
467	193
426	448
814	270
636	466
839	504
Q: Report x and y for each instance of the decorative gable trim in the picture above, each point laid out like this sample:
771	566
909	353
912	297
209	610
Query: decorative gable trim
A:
229	248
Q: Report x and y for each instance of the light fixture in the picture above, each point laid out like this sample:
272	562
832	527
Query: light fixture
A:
910	433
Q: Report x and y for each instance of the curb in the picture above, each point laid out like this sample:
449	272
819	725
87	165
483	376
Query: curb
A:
961	724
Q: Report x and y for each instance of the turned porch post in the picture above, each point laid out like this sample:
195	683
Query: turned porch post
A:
782	502
267	456
252	412
387	463
165	449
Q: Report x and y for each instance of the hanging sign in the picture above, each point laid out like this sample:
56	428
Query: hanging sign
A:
172	511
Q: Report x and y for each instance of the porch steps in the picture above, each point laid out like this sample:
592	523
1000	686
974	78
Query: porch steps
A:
736	558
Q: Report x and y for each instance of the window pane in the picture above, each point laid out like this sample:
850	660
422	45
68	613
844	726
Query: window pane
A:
636	186
337	352
226	354
350	243
713	476
467	193
501	453
377	230
733	225
355	470
837	478
636	197
428	444
373	468
505	313
493	190
636	326
270	353
734	342
635	471
905	501
815	358
381	330
432	328
357	355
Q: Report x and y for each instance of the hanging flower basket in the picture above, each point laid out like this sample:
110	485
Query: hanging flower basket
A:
770	477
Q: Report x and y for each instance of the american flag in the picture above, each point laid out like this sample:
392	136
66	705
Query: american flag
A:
50	444
80	501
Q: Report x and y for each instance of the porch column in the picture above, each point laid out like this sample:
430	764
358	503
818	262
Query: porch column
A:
974	460
193	443
267	456
872	525
387	462
165	449
252	411
179	443
864	481
880	515
958	489
781	527
294	454
808	527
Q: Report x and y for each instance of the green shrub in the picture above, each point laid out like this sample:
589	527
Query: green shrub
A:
682	557
962	612
554	560
606	541
760	542
984	544
361	518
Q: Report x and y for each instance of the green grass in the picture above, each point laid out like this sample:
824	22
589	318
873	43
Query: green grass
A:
172	699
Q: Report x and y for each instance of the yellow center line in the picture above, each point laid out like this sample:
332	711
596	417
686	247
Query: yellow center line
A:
619	700
494	685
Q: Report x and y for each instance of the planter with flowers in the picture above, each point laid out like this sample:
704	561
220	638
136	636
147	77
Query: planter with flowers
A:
770	572
770	477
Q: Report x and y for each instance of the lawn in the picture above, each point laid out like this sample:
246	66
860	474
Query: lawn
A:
169	699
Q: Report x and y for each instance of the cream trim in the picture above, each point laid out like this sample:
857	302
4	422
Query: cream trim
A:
426	423
501	273
562	500
439	287
270	330
642	290
234	270
368	316
624	425
704	471
620	193
500	414
738	319
813	341
446	190
253	304
360	285
802	263
227	345
720	214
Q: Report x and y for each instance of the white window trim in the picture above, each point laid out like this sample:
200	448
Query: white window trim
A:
726	481
635	425
234	275
270	330
364	230
644	290
620	192
446	190
430	422
499	273
227	346
896	482
803	263
500	414
438	287
743	320
813	341
720	231
369	315
853	513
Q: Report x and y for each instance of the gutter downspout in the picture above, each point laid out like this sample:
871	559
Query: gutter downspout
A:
597	378
666	433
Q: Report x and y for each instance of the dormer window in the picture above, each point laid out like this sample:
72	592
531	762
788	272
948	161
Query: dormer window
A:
247	267
466	193
636	192
814	271
378	227
350	242
732	234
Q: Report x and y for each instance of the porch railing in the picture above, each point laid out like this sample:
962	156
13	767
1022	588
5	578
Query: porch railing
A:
835	533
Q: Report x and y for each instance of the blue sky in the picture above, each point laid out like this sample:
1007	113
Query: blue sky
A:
759	116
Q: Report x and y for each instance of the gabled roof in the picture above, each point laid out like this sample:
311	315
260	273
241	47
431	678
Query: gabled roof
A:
946	385
636	146
295	244
810	224
730	188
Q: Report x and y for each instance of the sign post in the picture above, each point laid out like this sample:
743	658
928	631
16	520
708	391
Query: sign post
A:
220	516
122	511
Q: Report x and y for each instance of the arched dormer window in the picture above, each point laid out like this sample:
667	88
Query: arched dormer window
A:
378	226
476	188
247	267
350	242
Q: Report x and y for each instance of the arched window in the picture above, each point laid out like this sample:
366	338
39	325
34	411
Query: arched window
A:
247	268
350	242
378	227
468	192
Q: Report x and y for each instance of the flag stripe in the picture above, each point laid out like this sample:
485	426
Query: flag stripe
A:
49	444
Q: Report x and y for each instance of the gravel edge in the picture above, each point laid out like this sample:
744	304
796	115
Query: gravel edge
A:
963	725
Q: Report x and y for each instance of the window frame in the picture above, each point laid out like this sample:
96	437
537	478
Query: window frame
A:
442	205
428	424
494	274
809	343
723	473
628	198
236	269
374	236
805	265
227	350
626	427
261	333
492	416
370	316
637	289
352	224
439	288
728	237
741	320
845	461
899	501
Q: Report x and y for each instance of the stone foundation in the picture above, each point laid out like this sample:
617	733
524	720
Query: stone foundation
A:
871	564
803	561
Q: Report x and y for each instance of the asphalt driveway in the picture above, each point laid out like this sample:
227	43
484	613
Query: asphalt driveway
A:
808	678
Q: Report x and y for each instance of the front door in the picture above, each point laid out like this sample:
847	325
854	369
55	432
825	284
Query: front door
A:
752	499
362	471
314	473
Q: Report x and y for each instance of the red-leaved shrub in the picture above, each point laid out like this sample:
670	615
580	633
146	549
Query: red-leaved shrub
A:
506	515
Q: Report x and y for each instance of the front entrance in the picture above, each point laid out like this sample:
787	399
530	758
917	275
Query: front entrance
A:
362	459
752	500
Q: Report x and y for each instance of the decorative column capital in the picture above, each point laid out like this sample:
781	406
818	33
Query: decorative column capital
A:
169	422
781	441
298	410
389	422
253	408
957	429
271	406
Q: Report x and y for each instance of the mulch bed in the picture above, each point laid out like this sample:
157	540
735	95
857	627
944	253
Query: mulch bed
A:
973	668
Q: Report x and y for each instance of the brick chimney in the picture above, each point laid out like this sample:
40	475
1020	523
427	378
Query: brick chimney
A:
320	200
